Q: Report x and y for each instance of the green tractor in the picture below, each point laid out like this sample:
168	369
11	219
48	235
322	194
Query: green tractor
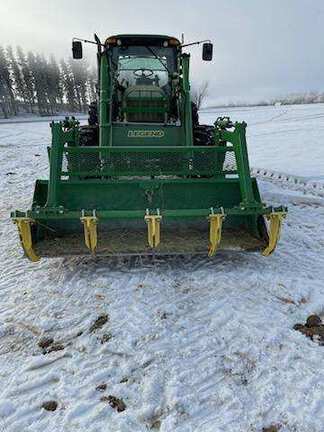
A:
143	177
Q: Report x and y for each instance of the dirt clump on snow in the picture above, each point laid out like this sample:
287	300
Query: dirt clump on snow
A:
272	428
313	321
45	342
313	328
49	405
116	403
156	424
288	300
99	323
101	387
48	345
105	338
55	347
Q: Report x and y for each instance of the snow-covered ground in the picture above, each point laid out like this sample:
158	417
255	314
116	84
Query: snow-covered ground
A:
284	138
190	344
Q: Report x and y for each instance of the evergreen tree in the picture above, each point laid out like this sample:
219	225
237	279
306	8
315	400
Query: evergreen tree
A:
68	85
38	72
3	87
8	104
56	80
38	84
79	71
27	78
17	78
92	85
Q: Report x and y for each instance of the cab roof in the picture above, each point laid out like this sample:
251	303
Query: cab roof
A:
143	39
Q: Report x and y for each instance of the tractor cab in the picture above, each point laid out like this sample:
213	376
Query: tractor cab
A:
145	78
144	92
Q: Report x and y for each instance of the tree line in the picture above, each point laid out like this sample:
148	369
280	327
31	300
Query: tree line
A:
32	83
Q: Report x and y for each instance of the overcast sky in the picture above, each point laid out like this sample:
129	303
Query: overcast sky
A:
262	48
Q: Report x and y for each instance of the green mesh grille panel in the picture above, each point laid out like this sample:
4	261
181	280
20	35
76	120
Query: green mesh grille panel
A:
145	103
99	161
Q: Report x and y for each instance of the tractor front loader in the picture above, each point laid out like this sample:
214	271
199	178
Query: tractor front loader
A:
144	177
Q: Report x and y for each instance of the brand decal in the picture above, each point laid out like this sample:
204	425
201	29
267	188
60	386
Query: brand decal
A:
145	133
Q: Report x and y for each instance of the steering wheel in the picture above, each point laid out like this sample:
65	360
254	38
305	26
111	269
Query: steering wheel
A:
143	73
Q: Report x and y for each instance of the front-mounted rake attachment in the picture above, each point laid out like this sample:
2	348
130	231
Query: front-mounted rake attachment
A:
136	199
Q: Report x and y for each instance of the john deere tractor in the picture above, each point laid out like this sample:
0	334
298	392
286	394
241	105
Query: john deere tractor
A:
143	176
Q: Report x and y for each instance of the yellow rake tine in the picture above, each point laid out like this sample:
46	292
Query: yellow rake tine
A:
24	229
153	229
150	231
90	232
215	232
275	219
158	231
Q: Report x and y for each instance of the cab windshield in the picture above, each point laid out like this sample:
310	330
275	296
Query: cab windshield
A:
144	65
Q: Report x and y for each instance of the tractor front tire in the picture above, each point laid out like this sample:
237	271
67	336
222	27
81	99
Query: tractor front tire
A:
89	136
203	135
93	114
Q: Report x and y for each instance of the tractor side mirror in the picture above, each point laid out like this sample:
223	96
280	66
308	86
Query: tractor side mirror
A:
207	51
77	50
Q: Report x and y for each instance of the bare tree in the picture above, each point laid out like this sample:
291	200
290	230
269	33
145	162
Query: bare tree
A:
199	94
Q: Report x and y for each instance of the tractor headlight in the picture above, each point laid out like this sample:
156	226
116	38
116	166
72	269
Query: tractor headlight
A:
111	41
174	42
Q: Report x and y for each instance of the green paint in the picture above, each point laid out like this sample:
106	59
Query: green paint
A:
140	166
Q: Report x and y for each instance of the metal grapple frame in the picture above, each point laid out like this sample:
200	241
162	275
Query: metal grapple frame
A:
90	188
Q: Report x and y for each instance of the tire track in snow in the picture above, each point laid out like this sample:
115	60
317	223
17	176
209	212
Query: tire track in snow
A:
296	183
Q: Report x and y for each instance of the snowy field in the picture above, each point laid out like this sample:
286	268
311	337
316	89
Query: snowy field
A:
289	139
189	344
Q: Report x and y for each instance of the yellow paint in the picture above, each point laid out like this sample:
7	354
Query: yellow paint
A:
275	222
90	232
153	229
215	232
24	229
